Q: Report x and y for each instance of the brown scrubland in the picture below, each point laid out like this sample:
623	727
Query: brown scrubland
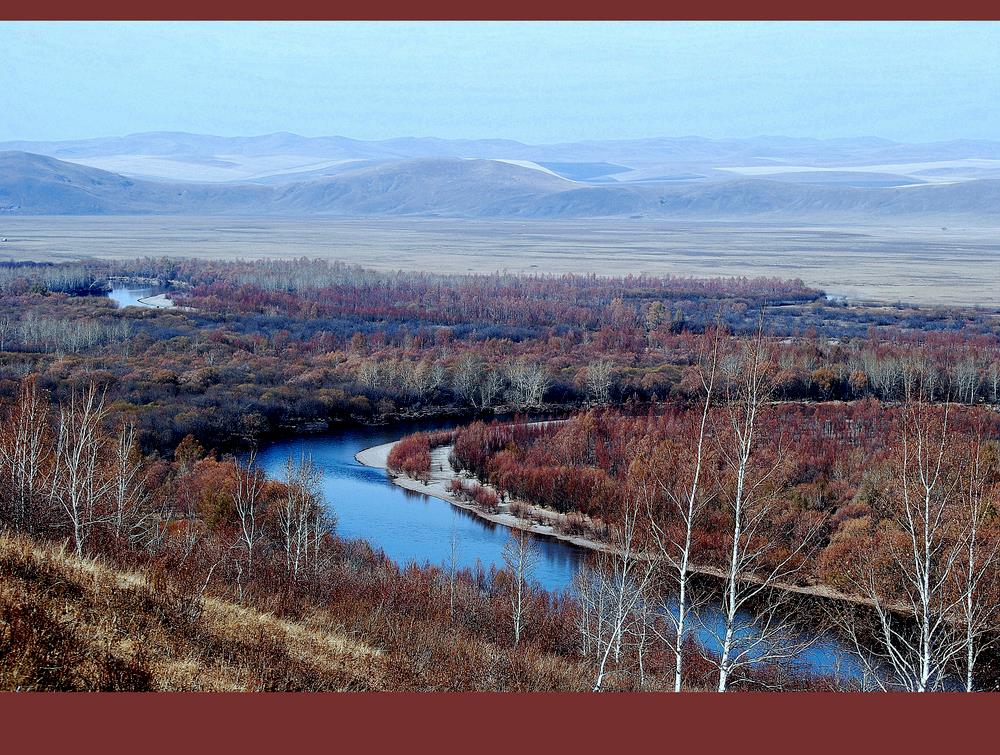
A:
851	447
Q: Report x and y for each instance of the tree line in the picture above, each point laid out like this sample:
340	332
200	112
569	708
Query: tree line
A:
893	507
378	346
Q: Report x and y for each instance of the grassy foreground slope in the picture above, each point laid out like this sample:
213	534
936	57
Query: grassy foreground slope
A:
71	624
68	624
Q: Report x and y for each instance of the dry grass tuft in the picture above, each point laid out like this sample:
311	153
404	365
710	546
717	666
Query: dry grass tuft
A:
67	624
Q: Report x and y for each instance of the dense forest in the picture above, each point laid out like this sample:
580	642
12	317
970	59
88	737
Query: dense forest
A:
265	348
709	449
889	509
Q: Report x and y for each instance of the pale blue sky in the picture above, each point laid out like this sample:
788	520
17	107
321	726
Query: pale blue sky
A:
535	82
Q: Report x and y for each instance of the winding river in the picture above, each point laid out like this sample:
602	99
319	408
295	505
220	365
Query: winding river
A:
412	527
408	526
415	528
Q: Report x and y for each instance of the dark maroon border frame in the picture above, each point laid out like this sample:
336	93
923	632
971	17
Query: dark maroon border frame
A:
735	10
486	723
405	723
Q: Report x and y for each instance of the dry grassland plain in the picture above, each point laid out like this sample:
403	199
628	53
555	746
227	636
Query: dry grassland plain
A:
953	265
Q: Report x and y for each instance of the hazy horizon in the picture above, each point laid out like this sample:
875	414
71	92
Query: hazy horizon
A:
533	82
500	137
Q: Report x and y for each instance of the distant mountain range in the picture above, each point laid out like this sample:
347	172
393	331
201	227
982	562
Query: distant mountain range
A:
289	158
768	177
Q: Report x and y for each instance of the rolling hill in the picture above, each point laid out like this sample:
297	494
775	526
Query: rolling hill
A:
37	185
290	158
32	184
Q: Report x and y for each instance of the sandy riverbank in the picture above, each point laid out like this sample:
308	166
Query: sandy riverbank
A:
442	475
159	301
376	456
438	486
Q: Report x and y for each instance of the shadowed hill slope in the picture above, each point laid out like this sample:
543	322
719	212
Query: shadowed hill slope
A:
449	187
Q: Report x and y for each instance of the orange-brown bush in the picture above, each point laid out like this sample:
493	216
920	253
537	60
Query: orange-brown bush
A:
483	497
825	483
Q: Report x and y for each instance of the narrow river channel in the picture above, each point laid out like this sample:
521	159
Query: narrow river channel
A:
408	526
412	527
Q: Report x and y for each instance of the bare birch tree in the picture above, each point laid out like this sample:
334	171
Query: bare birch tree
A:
619	580
520	554
304	521
78	483
490	389
24	454
978	609
914	639
528	382
598	381
966	378
475	383
756	626
467	377
993	376
127	483
454	545
6	329
684	490
588	587
247	500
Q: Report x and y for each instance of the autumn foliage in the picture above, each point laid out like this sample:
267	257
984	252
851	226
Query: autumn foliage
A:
411	456
831	457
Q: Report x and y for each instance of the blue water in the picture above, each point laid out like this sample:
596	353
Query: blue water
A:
411	527
408	526
128	296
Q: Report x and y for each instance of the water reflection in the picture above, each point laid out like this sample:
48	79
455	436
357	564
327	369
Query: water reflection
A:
129	296
409	526
412	527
